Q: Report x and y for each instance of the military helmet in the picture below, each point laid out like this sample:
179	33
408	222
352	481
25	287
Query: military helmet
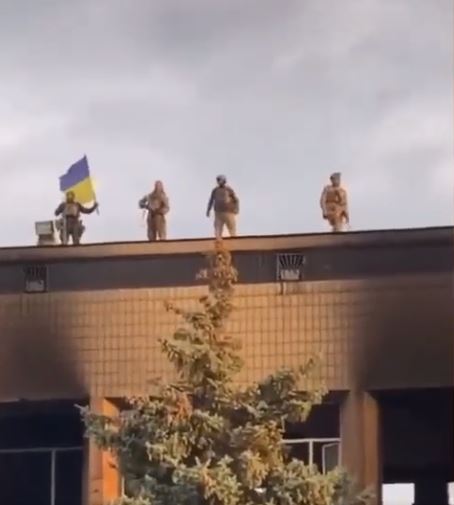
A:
221	179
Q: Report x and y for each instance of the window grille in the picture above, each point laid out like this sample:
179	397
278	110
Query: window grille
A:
290	267
36	279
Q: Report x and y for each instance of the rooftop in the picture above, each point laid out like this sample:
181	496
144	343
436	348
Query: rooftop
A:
356	239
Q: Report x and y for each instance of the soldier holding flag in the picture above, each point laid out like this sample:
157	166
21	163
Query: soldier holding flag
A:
78	186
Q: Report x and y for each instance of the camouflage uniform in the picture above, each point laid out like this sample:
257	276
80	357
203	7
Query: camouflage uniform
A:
157	205
334	204
226	207
70	224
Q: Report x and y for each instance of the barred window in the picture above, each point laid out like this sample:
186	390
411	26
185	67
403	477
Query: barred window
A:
290	267
35	279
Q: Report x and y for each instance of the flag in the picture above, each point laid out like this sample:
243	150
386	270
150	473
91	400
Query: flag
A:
78	180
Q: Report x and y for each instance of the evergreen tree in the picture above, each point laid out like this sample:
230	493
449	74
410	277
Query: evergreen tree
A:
203	439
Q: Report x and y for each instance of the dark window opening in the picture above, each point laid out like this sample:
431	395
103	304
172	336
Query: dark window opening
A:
68	477
36	279
41	453
317	440
25	478
290	267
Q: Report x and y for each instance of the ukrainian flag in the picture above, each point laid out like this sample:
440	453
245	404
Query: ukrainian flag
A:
78	180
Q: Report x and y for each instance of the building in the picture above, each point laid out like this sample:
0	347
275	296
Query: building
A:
80	325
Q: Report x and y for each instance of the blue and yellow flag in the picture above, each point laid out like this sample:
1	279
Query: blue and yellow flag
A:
78	180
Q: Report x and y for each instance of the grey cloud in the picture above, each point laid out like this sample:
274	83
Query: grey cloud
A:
274	94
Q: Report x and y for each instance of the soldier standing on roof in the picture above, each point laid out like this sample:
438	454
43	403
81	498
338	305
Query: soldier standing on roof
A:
334	204
226	207
156	204
70	224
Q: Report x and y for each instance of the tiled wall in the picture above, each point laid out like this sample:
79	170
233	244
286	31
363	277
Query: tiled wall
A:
387	333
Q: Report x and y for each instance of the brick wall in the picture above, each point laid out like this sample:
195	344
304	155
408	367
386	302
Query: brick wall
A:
388	332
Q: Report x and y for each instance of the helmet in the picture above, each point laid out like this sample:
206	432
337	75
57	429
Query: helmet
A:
221	179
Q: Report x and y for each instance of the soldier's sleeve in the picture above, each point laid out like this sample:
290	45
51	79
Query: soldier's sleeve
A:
323	200
345	203
344	197
233	196
235	199
86	210
211	201
59	209
165	204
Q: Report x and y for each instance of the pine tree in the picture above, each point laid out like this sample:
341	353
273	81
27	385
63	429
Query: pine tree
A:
203	439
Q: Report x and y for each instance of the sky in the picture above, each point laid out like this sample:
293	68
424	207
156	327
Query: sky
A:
275	94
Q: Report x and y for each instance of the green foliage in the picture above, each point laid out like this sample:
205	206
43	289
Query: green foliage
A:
203	440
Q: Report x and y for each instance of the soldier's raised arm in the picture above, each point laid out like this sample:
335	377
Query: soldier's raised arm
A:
88	210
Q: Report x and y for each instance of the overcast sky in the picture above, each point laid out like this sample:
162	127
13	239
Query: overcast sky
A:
276	94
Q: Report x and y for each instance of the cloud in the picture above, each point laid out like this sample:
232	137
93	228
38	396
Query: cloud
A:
276	95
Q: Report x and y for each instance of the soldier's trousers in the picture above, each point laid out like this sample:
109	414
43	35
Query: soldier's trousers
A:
227	220
71	228
336	222
157	227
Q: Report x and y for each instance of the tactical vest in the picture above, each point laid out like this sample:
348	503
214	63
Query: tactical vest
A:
333	196
156	202
223	200
71	210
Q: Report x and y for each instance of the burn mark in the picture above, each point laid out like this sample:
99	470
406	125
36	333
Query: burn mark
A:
38	358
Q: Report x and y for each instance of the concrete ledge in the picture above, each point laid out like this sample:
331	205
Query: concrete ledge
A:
375	238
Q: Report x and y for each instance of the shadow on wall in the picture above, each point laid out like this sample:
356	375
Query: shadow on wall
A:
409	338
39	361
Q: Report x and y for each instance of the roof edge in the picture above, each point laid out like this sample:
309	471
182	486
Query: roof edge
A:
368	238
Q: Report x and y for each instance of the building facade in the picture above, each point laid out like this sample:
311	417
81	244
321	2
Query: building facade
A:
81	326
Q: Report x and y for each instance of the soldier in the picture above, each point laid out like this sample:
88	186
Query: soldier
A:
157	205
334	203
226	207
70	224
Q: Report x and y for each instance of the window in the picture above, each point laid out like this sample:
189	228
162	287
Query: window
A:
53	476
32	468
290	267
36	279
322	452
